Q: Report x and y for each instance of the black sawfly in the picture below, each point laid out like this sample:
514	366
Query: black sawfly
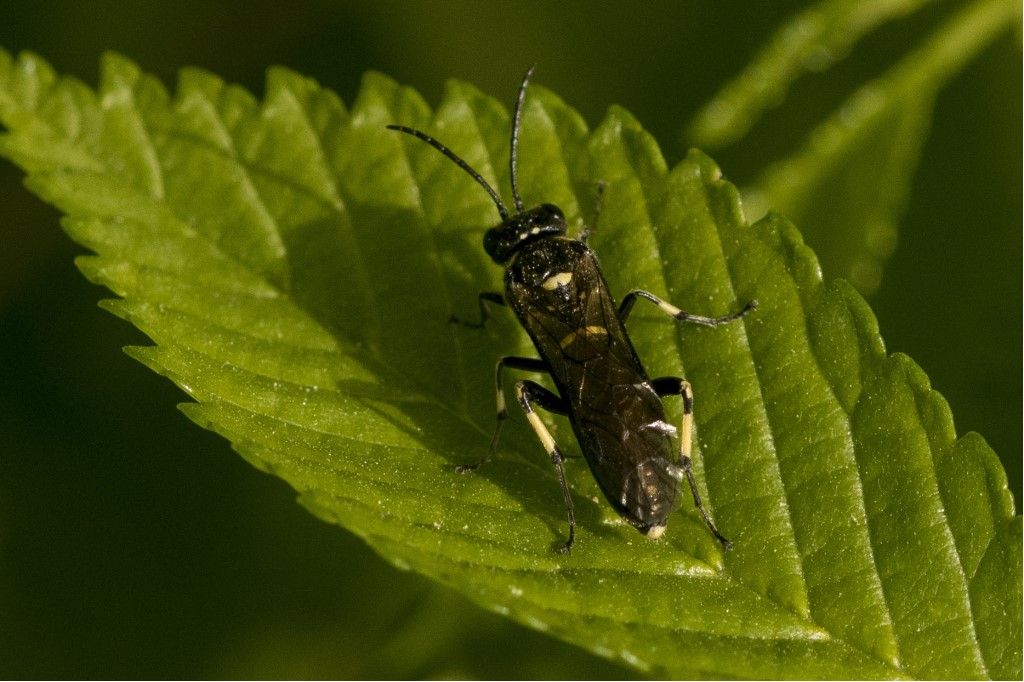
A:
554	285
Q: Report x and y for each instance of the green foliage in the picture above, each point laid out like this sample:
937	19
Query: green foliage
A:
847	184
295	264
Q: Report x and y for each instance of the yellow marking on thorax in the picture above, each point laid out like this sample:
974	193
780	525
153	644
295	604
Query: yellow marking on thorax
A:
591	330
555	281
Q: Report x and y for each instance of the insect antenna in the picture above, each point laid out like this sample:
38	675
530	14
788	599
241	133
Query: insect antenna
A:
462	164
517	116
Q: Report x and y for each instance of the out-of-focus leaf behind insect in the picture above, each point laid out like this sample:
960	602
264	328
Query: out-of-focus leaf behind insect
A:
846	186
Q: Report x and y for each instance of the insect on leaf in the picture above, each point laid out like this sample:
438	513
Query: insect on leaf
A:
295	264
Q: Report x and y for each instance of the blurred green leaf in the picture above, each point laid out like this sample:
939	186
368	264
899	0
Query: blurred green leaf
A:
813	40
847	184
296	264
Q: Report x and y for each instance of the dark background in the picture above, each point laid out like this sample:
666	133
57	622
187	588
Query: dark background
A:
134	544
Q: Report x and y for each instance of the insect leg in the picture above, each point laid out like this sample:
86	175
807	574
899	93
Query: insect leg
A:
528	393
665	386
629	300
528	364
493	297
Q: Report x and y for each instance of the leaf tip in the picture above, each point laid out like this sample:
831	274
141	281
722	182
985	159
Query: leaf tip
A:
116	69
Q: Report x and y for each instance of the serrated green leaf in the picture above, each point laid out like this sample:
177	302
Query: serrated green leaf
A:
295	264
847	184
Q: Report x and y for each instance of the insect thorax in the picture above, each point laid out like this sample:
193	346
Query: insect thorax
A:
553	273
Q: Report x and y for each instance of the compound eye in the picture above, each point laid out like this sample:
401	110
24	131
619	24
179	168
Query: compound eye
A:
553	213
